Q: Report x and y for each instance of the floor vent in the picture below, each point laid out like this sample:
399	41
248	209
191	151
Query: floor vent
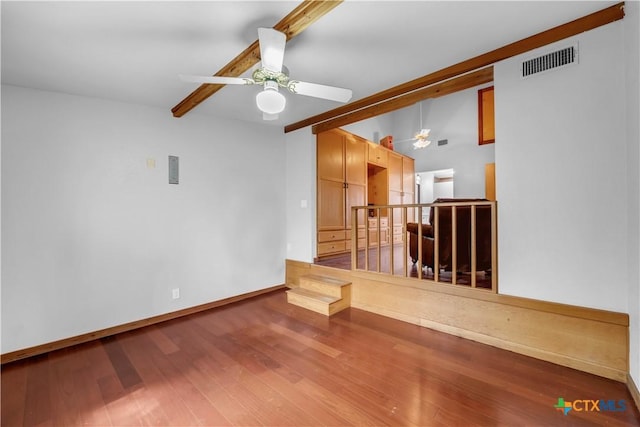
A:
550	61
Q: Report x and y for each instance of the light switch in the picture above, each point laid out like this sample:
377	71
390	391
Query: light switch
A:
303	204
173	170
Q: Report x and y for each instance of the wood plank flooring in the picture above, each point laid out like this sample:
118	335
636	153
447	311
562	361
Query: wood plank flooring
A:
263	362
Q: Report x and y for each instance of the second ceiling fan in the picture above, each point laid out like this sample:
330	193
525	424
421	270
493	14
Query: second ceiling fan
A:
273	76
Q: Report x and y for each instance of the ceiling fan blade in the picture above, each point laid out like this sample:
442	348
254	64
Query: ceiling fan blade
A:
404	140
320	91
272	48
216	80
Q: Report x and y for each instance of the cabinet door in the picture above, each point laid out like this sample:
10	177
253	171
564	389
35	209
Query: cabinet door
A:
330	156
376	154
356	195
395	172
408	175
408	185
409	199
355	156
331	196
395	198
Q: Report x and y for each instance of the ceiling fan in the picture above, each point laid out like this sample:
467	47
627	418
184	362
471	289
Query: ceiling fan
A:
420	138
273	76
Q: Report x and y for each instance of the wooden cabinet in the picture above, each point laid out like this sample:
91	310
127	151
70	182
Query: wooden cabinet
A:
408	181
377	154
401	189
342	184
373	231
356	176
352	171
398	234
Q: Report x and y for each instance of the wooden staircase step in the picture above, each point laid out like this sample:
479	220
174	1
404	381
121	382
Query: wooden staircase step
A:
326	285
327	299
316	301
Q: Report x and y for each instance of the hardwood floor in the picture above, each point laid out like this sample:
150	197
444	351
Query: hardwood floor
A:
265	362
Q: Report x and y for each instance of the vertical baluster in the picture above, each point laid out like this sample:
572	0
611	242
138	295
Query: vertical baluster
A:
366	243
390	237
494	247
473	246
436	243
454	246
354	238
405	241
379	242
419	242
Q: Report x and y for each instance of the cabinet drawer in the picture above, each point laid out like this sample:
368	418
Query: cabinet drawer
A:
398	238
331	247
348	233
373	237
373	222
361	244
331	236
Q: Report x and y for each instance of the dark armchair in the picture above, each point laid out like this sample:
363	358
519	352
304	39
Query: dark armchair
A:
463	237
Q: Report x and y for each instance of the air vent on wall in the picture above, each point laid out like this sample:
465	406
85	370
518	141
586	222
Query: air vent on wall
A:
550	61
443	142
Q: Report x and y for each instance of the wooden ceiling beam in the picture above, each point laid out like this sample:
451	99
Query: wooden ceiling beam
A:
447	87
580	25
293	24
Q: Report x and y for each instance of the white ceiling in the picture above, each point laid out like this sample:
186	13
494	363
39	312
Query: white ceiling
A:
134	51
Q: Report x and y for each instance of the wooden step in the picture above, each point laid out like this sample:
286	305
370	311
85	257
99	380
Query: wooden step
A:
316	301
326	285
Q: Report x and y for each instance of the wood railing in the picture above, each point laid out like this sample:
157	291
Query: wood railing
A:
461	242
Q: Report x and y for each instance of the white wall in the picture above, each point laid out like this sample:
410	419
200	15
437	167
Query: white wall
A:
301	188
372	129
632	49
561	176
426	187
567	171
301	183
93	238
453	117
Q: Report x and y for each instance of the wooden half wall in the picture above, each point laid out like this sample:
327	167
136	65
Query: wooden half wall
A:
590	340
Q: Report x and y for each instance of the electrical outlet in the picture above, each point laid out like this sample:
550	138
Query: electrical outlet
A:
175	293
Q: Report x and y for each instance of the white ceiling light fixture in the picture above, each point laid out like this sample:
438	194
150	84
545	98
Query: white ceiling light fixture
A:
420	138
274	75
270	101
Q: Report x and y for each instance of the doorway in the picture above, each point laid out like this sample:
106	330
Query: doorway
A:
432	185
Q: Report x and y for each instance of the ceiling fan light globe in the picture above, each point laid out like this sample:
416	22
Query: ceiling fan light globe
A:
421	143
271	101
423	134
